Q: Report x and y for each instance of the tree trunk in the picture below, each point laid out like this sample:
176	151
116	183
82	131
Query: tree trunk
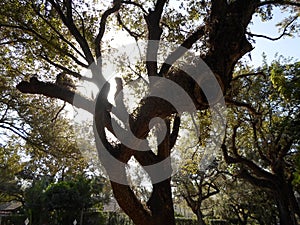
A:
161	204
286	212
200	218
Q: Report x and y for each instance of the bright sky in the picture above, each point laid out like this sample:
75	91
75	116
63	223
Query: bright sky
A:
287	46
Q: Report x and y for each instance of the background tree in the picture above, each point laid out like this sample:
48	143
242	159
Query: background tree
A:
263	140
197	187
10	188
191	184
64	201
55	36
242	203
36	138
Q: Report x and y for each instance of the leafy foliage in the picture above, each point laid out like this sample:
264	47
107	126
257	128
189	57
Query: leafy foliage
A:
41	39
63	201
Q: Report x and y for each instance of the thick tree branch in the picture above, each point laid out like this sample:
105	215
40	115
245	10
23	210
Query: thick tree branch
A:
227	23
175	131
125	196
154	34
187	44
103	120
251	165
233	140
54	91
244	161
106	14
37	11
256	144
189	199
209	194
164	149
69	23
256	181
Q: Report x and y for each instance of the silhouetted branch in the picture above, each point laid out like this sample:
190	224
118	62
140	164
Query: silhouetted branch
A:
131	33
106	14
242	104
136	4
69	23
54	91
277	38
247	75
154	33
279	2
187	44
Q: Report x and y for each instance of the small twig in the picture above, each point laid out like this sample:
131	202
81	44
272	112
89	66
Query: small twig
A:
131	33
136	4
75	74
242	104
6	110
247	75
59	111
279	2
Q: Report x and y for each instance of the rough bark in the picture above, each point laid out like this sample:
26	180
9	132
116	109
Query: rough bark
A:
284	197
227	37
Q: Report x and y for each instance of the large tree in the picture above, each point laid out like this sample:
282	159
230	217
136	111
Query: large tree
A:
263	140
47	37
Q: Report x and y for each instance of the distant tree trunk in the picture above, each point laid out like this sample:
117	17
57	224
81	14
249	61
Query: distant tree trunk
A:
81	216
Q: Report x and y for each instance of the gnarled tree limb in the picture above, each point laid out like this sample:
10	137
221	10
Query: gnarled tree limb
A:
51	90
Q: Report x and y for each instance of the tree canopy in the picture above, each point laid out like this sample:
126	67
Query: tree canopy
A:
46	44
